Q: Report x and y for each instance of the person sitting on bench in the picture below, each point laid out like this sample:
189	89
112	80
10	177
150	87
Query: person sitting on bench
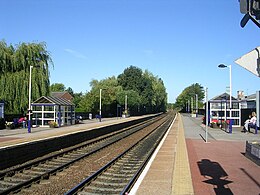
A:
250	123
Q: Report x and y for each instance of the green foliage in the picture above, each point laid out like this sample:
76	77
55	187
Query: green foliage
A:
131	79
14	74
145	93
190	93
76	99
70	91
133	98
154	92
151	90
109	88
86	104
57	87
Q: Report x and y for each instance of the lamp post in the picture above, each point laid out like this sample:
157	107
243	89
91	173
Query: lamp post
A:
100	91
196	95
207	113
230	94
29	106
30	94
188	106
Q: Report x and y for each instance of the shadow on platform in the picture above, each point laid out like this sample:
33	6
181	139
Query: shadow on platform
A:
215	175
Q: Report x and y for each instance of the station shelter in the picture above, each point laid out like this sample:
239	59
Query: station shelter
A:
219	109
48	109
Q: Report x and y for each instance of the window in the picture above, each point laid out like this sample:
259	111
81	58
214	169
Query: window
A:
37	115
228	114
236	122
49	108
235	113
235	105
216	105
37	108
213	113
221	113
49	115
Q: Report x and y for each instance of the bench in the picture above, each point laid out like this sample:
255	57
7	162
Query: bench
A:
255	127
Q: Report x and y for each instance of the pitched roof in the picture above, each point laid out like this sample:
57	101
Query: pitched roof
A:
251	97
64	94
52	100
223	96
58	94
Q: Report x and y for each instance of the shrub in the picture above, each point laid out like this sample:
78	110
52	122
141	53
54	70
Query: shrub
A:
53	124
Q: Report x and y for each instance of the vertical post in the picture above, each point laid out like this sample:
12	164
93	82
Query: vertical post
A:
257	110
206	115
126	106
71	115
29	106
196	105
191	99
59	116
221	114
100	90
230	99
226	113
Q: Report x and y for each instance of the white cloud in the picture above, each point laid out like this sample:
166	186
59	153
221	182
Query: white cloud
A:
76	53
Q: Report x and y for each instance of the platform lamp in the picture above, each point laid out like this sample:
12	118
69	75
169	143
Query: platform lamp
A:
230	95
30	93
100	104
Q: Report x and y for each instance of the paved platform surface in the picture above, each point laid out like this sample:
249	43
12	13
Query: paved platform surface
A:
186	164
169	172
219	166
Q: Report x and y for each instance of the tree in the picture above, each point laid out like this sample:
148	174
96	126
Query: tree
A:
110	88
131	79
154	92
145	93
77	97
57	87
151	90
86	104
133	100
70	91
188	95
14	74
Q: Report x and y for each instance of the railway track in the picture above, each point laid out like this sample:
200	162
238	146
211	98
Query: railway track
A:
24	176
120	174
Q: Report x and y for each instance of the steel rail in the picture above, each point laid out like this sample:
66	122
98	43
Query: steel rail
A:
61	167
89	179
140	170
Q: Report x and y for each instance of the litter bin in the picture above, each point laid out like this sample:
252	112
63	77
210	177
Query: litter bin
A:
230	125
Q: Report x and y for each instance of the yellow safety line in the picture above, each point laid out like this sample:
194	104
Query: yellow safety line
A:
182	182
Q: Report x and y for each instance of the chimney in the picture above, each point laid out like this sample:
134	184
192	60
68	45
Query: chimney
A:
240	95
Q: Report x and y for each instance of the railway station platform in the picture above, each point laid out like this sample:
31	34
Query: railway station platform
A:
186	164
9	137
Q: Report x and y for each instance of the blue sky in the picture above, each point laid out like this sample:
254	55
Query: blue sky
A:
181	42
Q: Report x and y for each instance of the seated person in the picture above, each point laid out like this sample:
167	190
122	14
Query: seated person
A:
22	122
250	123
